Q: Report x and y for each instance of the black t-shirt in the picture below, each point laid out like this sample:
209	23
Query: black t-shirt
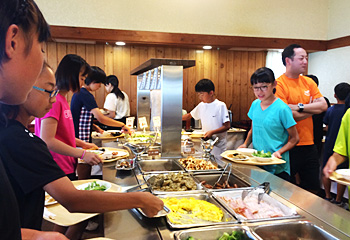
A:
10	228
29	166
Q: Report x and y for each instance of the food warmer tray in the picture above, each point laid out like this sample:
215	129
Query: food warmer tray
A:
211	178
199	188
227	218
288	212
213	232
220	167
159	166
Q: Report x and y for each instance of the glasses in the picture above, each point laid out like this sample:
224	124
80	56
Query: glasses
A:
261	88
52	93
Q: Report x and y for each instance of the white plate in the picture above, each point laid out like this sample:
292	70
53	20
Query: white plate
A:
246	151
345	173
102	183
262	159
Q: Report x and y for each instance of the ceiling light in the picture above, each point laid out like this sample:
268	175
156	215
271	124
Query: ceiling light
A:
207	47
120	43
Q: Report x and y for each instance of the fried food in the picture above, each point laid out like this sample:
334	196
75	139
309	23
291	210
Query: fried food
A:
191	163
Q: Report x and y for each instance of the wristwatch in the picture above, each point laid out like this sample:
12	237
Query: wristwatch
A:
301	107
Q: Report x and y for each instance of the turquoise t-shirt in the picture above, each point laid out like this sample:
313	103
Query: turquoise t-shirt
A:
270	130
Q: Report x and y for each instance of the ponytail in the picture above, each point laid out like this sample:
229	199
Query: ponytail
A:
112	79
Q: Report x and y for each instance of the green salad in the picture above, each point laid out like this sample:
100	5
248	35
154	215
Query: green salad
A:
262	154
95	186
235	235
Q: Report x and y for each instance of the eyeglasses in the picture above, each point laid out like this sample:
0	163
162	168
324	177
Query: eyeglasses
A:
52	93
261	88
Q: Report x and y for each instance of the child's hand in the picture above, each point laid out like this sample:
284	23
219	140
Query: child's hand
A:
99	130
126	129
277	154
242	146
208	134
90	146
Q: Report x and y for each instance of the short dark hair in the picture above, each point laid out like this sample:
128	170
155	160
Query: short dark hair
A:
67	73
262	75
342	90
288	52
27	16
313	77
205	85
96	75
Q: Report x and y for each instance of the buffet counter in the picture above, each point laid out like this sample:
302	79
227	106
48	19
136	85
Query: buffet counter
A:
131	224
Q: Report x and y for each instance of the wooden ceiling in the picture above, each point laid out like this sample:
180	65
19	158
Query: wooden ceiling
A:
146	38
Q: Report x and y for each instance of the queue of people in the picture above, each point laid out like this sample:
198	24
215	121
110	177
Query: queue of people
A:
31	164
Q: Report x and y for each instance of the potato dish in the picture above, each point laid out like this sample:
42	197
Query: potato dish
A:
191	163
172	182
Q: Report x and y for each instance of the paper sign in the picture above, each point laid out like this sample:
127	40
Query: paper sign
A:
130	122
156	122
143	122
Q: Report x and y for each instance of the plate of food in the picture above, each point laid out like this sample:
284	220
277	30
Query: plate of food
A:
49	200
237	156
110	154
98	185
109	134
261	156
246	151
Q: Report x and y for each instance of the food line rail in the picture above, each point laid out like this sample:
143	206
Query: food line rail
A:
130	224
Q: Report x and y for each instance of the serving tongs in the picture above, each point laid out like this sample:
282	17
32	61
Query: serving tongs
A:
264	186
228	176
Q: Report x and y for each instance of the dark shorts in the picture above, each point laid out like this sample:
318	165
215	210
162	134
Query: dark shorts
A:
304	161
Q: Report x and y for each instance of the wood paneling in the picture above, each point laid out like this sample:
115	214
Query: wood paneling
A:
182	40
229	70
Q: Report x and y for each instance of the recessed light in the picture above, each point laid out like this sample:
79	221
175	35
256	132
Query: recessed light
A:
207	47
120	43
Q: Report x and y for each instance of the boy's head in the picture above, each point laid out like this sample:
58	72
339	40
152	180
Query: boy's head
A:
205	85
313	77
97	75
341	91
23	29
205	89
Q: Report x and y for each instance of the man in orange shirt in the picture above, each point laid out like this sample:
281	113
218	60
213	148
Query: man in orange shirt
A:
304	98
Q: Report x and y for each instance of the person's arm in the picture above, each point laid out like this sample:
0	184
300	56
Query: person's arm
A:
48	133
292	141
75	200
31	234
186	117
108	121
223	128
318	106
332	164
247	141
111	114
97	128
85	145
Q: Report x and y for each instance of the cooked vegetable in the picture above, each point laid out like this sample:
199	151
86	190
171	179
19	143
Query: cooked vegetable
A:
95	186
190	238
262	154
235	235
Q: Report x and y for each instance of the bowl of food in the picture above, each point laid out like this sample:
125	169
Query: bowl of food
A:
98	185
261	156
125	164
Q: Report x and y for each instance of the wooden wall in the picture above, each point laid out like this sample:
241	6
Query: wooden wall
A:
229	70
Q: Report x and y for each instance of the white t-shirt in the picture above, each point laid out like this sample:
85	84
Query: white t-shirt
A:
120	106
213	115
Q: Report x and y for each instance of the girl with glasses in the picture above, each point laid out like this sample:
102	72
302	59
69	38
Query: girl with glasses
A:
273	127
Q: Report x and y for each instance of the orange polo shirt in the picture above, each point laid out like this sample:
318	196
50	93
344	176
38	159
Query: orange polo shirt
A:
301	90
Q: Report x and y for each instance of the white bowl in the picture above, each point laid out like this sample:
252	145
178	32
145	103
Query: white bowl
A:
246	151
345	173
262	159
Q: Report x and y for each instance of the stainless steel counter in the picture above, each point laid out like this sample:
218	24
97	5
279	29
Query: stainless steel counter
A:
130	224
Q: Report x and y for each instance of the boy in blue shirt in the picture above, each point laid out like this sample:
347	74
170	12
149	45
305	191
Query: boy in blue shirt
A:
333	119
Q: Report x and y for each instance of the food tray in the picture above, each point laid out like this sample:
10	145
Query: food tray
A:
212	233
288	212
251	160
227	217
211	178
220	167
159	166
292	230
130	162
148	176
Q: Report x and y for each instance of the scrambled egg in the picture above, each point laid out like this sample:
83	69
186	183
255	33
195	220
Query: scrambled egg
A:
190	210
